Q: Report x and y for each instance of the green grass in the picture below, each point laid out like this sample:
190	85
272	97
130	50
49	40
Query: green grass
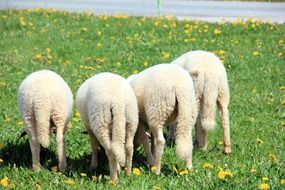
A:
83	44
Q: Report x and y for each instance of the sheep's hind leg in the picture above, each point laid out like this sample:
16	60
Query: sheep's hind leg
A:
60	129
94	146
34	144
200	135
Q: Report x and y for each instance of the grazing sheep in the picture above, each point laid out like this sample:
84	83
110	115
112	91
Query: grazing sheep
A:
165	93
108	109
211	87
45	100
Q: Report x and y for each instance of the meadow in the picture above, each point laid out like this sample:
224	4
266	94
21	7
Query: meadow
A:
78	45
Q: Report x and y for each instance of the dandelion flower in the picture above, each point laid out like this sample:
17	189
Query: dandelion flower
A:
48	50
280	54
265	178
184	172
84	29
94	177
256	53
165	55
282	181
156	188
136	171
153	168
224	174
38	57
272	157
217	31
264	186
221	52
99	45
259	141
54	168
145	64
69	182
111	182
252	170
221	142
5	181
83	174
208	166
1	160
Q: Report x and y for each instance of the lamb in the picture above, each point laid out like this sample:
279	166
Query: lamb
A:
45	101
211	87
109	112
165	93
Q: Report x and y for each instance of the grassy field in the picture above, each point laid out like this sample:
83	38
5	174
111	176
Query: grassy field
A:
78	45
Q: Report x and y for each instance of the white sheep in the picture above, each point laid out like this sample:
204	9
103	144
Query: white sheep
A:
165	93
211	88
108	109
44	100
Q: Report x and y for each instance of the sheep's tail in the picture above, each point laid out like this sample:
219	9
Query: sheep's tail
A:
186	118
119	133
208	109
43	127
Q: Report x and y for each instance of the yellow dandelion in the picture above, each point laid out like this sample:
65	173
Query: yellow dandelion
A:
38	186
165	55
1	160
83	174
224	174
265	178
221	142
272	157
75	119
282	88
208	166
5	181
217	31
136	171
156	188
253	90
280	54
20	123
38	57
184	172
252	170
256	53
153	168
94	177
221	52
264	186
282	181
145	64
54	168
69	182
99	45
111	182
118	64
99	33
259	141
48	50
84	29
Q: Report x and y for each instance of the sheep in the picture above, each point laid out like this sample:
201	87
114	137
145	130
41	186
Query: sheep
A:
109	112
211	87
45	101
165	94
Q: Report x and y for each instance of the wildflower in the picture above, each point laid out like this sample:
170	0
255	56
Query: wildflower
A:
111	182
265	178
280	54
38	57
253	90
75	119
165	55
145	64
22	21
118	64
69	182
184	172
99	45
282	181
259	141
94	177
175	170
217	31
221	142
136	171
48	50
282	88
54	168
272	157
84	29
252	170
83	174
153	168
20	123
256	53
264	186
223	174
38	186
156	188
221	52
99	33
1	160
5	181
208	166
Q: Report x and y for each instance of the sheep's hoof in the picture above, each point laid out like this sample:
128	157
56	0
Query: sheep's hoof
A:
150	160
128	171
62	167
189	165
228	149
36	167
